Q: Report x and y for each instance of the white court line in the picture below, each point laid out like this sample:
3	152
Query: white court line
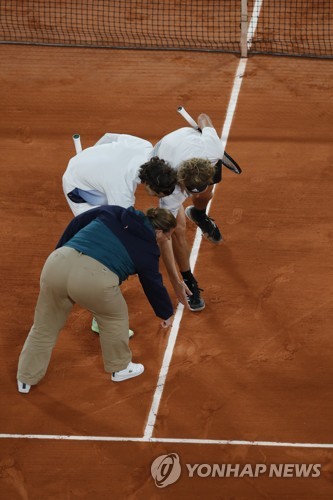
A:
178	441
240	73
148	432
253	23
233	100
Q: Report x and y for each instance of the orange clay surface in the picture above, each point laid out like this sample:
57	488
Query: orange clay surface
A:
256	364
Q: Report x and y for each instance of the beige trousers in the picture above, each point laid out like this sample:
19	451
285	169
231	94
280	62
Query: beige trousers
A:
70	277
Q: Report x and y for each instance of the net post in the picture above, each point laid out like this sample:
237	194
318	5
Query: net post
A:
244	28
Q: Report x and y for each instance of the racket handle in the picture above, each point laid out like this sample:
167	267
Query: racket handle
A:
181	110
77	143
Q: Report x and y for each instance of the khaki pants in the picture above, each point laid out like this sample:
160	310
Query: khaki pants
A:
70	277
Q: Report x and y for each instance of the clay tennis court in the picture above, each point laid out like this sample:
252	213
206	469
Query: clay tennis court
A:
249	379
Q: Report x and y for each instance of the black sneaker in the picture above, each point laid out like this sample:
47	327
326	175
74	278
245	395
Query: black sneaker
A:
195	302
207	225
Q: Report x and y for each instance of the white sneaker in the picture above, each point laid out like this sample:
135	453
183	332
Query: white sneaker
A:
22	387
132	370
95	329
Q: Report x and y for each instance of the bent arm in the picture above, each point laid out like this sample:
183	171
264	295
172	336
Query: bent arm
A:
156	293
177	284
169	260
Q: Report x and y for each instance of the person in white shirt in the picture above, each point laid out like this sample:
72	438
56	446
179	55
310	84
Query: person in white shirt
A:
107	173
179	148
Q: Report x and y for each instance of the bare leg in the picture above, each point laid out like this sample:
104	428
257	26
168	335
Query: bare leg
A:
201	200
182	256
180	244
197	214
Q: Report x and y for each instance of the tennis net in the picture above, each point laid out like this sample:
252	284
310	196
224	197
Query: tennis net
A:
296	27
291	27
146	24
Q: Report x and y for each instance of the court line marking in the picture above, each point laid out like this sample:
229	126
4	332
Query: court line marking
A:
254	22
231	442
149	429
148	432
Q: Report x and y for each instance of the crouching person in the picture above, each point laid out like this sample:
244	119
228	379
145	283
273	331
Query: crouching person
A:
98	250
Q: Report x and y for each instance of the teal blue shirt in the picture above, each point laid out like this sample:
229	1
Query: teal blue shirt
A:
97	241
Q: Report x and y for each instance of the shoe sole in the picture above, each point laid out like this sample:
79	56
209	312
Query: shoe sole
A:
127	377
205	235
130	332
23	388
198	308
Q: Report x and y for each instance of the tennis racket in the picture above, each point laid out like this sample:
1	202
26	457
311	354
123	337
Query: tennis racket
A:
227	160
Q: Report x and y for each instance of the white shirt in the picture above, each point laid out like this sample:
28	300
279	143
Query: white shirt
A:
111	168
184	144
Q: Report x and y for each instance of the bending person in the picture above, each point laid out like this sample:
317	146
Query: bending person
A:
98	250
109	173
206	148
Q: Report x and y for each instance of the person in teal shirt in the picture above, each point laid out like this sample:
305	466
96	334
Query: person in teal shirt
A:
98	250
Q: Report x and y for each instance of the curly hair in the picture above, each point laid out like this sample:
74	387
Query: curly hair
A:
161	218
195	173
159	176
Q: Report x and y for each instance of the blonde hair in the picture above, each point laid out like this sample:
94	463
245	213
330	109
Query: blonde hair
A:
161	218
195	172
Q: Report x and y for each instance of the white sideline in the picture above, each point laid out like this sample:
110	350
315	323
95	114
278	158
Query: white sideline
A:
193	258
148	432
254	21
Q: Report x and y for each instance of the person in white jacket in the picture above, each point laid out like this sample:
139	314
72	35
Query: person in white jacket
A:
178	148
